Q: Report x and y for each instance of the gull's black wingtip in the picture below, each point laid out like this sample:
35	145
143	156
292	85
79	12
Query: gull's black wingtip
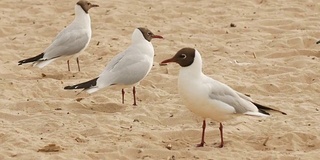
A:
84	85
261	107
32	59
264	112
68	87
21	62
283	113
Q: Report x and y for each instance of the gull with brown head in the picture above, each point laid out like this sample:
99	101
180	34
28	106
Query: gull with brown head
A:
210	98
71	41
127	68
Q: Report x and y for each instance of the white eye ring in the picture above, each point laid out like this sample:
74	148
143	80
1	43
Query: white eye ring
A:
183	56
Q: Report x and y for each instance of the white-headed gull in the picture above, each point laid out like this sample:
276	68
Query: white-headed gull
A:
127	68
70	41
210	98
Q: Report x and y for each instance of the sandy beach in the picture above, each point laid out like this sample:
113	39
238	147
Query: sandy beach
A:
269	52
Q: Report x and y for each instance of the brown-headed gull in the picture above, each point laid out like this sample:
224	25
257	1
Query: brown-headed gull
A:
127	68
70	41
210	98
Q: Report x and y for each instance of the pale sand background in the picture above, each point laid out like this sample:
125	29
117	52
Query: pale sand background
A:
285	75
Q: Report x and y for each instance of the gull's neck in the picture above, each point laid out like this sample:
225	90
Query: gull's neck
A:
81	17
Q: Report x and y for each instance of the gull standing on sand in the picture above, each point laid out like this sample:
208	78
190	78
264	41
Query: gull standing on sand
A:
71	40
207	97
127	68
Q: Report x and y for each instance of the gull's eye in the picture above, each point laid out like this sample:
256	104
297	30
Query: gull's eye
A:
88	4
149	33
183	56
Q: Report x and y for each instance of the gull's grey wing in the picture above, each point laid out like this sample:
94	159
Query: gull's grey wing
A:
223	93
128	67
114	61
68	42
244	96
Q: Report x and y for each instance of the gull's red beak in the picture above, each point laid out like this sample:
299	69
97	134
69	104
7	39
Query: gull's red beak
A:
163	63
168	61
94	5
157	36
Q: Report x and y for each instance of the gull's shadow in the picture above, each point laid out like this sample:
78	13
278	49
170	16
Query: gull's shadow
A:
106	107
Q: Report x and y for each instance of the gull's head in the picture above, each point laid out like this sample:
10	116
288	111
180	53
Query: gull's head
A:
144	33
184	57
85	5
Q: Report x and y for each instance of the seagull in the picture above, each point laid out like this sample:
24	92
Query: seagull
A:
210	98
127	68
71	40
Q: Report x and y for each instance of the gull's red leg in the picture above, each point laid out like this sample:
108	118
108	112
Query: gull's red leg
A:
221	134
68	65
134	95
203	131
122	91
78	64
